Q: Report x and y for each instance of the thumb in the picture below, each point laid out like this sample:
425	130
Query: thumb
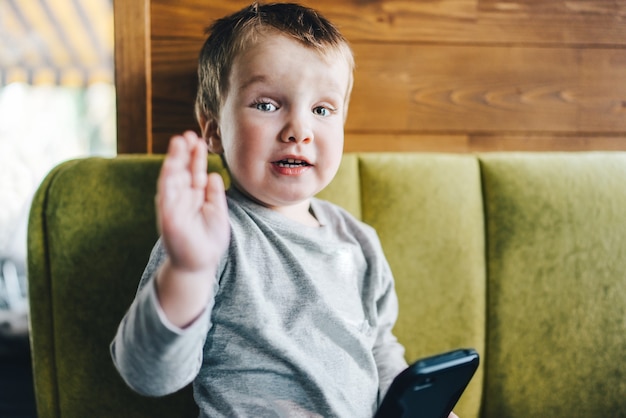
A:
215	193
215	211
215	185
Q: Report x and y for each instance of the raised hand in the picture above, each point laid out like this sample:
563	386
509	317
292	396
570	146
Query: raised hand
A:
192	216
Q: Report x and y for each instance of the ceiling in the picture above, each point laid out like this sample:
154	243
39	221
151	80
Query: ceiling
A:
56	42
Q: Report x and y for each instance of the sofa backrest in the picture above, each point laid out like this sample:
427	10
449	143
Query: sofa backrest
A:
556	234
521	256
427	210
90	229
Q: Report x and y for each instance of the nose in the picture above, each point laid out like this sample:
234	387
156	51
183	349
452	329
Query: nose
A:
297	129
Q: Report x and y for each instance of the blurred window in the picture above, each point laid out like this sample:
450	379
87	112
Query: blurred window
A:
57	102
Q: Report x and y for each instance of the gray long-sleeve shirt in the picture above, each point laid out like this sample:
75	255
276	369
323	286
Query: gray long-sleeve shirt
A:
300	324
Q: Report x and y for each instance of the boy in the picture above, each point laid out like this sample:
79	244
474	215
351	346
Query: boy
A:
272	302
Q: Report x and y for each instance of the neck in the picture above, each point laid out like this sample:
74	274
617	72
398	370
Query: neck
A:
299	212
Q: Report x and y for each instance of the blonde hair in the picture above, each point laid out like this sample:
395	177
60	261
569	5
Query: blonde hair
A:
229	36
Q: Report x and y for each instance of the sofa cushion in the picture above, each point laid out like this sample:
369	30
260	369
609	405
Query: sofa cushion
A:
427	209
91	229
557	284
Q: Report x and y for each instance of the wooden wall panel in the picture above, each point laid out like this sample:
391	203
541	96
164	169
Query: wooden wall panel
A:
370	142
444	88
133	76
573	22
439	75
174	63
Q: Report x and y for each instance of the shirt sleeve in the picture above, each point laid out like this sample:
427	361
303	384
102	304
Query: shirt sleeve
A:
153	356
388	352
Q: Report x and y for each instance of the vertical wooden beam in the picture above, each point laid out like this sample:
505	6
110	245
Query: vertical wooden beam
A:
133	76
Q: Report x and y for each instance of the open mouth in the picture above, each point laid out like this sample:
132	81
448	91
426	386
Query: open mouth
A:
292	163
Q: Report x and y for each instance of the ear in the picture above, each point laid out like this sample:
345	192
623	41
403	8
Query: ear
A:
211	134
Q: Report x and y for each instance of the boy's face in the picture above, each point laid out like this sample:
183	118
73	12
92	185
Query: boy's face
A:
281	124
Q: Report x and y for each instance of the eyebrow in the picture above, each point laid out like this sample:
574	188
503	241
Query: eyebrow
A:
260	78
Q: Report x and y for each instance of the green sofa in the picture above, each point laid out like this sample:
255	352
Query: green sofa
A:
521	256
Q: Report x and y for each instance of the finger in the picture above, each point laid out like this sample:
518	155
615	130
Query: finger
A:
215	209
215	198
177	157
215	190
174	176
191	138
198	165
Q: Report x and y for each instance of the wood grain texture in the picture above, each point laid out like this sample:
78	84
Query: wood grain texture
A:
563	22
488	89
478	143
133	79
174	64
438	75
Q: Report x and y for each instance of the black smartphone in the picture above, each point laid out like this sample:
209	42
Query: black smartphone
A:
430	387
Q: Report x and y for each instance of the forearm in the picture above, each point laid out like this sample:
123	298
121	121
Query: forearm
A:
153	357
184	295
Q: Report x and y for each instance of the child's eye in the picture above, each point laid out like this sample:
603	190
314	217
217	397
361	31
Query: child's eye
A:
265	106
322	111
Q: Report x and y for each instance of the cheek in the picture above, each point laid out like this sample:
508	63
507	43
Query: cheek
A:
253	132
332	149
241	141
333	140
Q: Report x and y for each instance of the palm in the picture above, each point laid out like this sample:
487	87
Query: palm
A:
191	207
